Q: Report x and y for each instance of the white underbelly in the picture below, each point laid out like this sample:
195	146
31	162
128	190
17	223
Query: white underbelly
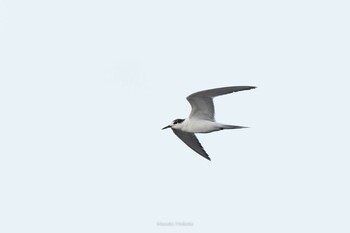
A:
200	126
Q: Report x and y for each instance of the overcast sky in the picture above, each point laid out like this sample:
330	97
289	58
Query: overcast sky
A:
86	86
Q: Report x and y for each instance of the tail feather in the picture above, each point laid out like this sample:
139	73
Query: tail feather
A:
232	127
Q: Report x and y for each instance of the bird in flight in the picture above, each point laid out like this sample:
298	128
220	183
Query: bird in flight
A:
201	118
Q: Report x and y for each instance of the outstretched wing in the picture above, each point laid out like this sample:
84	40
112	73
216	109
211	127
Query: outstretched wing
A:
202	101
191	140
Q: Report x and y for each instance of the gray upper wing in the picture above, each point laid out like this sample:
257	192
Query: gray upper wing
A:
202	101
191	140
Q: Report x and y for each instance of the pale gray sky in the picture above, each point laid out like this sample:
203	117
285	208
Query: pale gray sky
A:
86	86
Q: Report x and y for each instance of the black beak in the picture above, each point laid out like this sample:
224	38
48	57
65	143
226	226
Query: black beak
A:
166	127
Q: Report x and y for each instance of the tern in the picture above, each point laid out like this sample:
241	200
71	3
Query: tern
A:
201	118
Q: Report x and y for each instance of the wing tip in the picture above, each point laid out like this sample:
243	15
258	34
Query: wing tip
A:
251	87
246	88
207	157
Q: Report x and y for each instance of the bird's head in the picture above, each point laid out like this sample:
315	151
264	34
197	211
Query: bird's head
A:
175	124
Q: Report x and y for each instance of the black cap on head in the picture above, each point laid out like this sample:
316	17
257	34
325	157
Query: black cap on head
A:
177	121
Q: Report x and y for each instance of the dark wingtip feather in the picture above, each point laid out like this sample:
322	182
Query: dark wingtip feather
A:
251	87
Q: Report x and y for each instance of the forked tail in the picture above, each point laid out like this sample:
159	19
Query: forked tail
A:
232	127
